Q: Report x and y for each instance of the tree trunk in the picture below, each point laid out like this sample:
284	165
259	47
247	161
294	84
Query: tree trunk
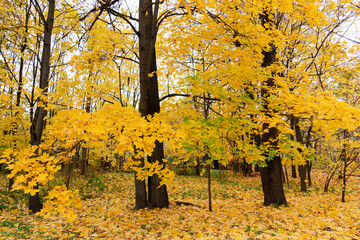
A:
84	150
272	183
302	174
208	172
308	163
149	96
37	127
73	161
293	171
140	194
257	168
246	168
271	174
34	202
302	168
287	176
216	164
84	154
158	196
308	172
197	167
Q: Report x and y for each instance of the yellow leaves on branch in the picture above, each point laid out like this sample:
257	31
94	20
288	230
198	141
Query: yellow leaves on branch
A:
29	168
128	132
62	201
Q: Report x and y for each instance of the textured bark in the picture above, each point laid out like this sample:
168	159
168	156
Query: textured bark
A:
140	194
38	123
149	99
158	196
271	174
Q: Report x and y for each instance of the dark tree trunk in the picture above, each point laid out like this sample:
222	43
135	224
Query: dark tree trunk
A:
246	168
208	172
271	174
271	178
11	183
287	176
84	150
197	167
293	171
105	164
257	168
71	166
302	174
149	96
308	163
38	123
302	168
308	172
216	164
140	194
34	202
83	163
158	196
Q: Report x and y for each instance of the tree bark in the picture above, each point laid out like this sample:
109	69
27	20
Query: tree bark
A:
208	172
301	168
37	127
308	163
149	96
197	167
158	196
84	150
271	174
293	171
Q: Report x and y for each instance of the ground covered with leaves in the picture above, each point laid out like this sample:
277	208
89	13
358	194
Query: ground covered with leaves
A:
108	200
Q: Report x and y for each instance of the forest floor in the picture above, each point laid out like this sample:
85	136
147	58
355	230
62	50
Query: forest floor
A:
107	211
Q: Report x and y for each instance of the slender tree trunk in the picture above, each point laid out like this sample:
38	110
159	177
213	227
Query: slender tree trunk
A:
197	167
308	172
84	154
287	176
293	171
71	166
308	163
208	172
283	176
302	168
84	150
38	123
271	175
